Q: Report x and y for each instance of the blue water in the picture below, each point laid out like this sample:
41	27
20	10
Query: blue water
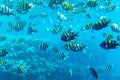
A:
43	65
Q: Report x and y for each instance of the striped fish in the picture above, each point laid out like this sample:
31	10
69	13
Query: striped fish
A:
115	27
93	72
24	7
69	44
88	26
111	7
5	10
60	56
77	47
2	62
22	69
17	26
3	52
18	40
43	46
108	68
57	29
92	3
101	24
68	35
109	44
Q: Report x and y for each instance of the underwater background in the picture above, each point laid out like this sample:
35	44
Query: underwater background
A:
59	40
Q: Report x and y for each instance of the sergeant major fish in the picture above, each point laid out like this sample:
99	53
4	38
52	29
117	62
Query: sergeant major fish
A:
109	44
87	26
2	62
17	26
57	29
108	68
24	7
92	3
68	35
67	6
3	52
60	56
108	36
69	44
22	69
43	46
102	23
77	47
5	10
93	72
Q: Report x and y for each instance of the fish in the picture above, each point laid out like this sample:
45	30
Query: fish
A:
66	6
115	27
43	46
68	35
110	8
88	26
5	10
93	72
69	44
109	44
108	68
17	40
24	7
92	3
102	23
62	17
57	29
31	30
77	47
74	46
83	9
108	36
17	26
3	52
61	56
2	62
22	69
54	4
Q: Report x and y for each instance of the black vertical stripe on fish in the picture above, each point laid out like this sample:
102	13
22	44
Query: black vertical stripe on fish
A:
93	72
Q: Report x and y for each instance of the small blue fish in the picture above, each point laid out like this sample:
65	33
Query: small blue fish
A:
31	30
